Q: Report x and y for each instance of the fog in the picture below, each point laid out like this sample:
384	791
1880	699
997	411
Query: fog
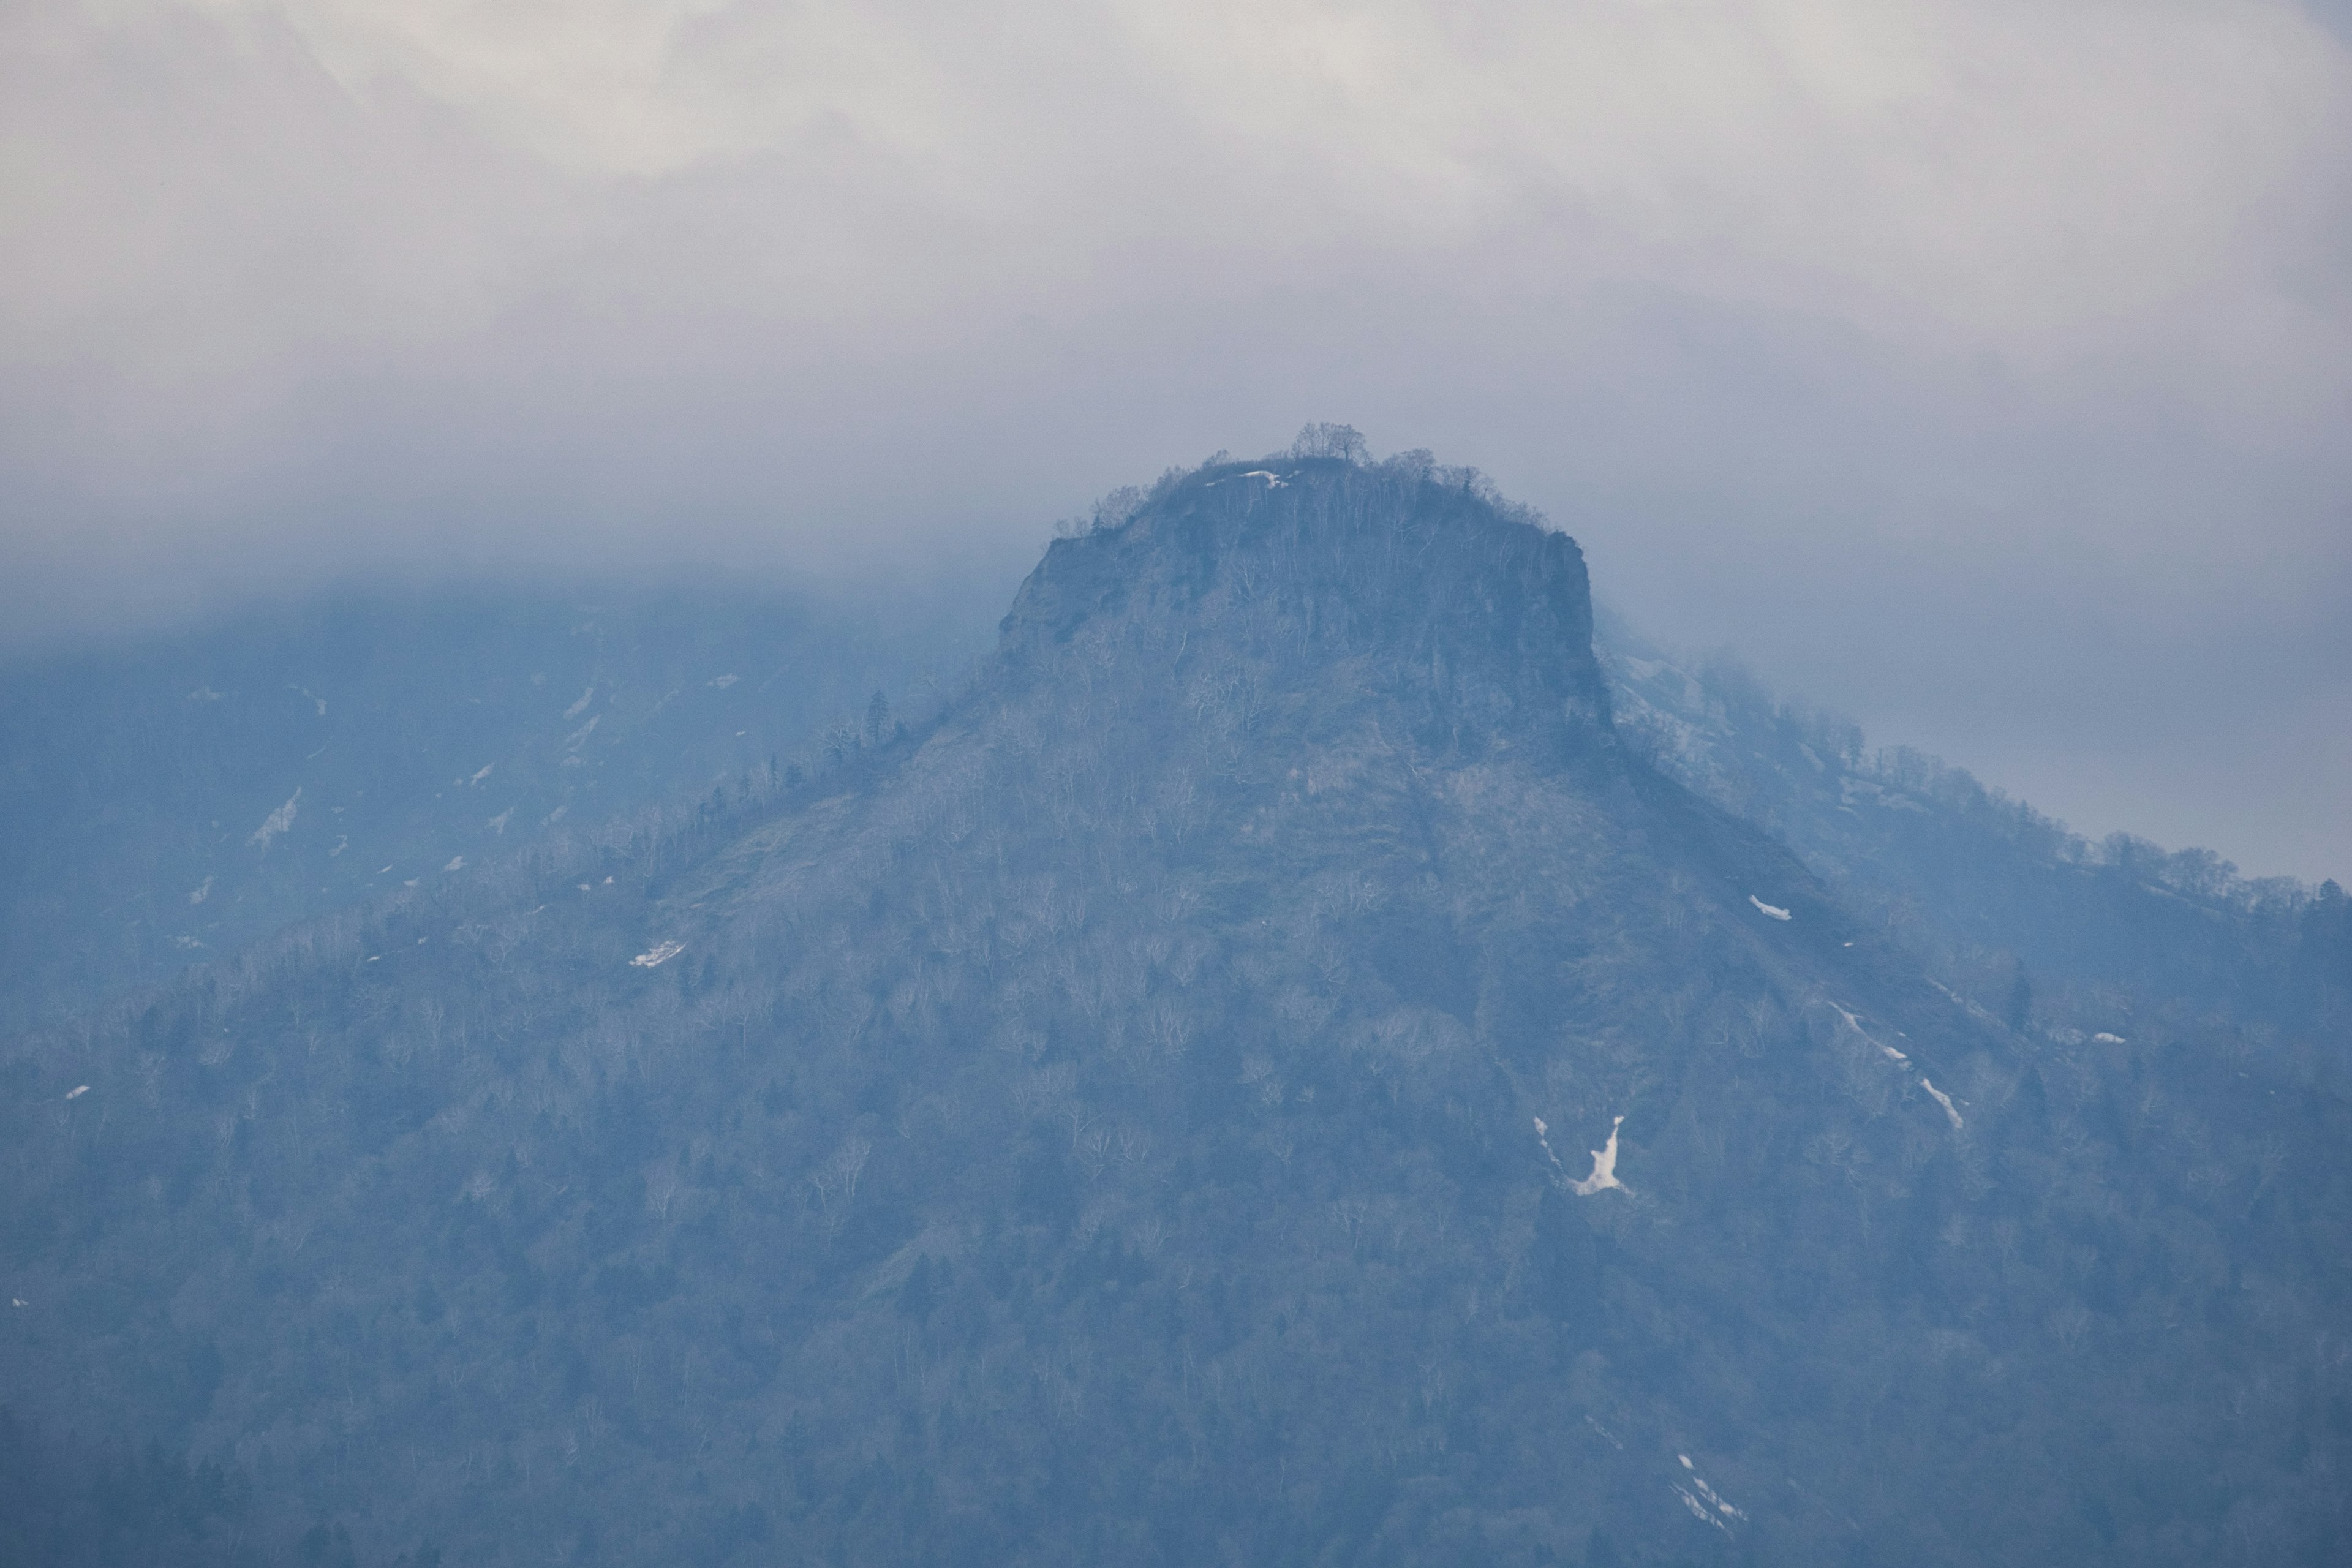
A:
1981	369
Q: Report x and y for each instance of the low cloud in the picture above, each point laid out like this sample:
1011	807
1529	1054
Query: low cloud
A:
1870	339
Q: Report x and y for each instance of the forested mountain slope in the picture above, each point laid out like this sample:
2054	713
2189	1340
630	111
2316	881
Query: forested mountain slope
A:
1267	1076
2116	937
171	799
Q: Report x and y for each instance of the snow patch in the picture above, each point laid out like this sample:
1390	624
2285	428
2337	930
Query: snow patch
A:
1703	1500
579	737
276	822
1853	1023
1772	910
77	1091
483	774
201	894
659	955
723	681
1604	1168
499	822
1604	1164
1698	1509
457	863
1971	1008
204	694
2104	1039
580	707
1951	1112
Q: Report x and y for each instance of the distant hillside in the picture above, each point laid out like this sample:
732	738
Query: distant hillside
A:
2015	911
170	801
1266	1074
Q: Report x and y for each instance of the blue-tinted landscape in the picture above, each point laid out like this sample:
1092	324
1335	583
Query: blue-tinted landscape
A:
1332	783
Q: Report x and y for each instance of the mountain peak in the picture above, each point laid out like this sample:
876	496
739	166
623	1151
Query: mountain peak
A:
1415	581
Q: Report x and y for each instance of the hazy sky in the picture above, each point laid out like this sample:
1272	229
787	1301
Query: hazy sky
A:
1983	368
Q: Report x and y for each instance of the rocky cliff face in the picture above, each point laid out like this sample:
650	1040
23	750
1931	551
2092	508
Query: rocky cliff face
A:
1297	575
1263	1077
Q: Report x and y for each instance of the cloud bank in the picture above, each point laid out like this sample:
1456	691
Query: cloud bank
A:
1981	367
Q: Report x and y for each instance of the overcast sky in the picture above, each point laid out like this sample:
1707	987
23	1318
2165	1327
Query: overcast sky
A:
1982	368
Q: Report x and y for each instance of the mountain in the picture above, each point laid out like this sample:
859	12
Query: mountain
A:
176	798
2049	931
1267	1074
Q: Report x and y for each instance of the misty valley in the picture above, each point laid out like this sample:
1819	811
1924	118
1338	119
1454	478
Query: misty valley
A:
1278	1037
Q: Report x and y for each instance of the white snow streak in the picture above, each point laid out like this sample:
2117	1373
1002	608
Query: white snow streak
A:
1940	1098
1773	910
1703	1500
276	822
580	707
76	1092
658	956
1855	1024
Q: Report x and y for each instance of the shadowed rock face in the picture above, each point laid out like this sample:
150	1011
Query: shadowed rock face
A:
1479	624
1141	1117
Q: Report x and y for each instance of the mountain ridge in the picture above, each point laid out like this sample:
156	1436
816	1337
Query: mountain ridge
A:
1144	1112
